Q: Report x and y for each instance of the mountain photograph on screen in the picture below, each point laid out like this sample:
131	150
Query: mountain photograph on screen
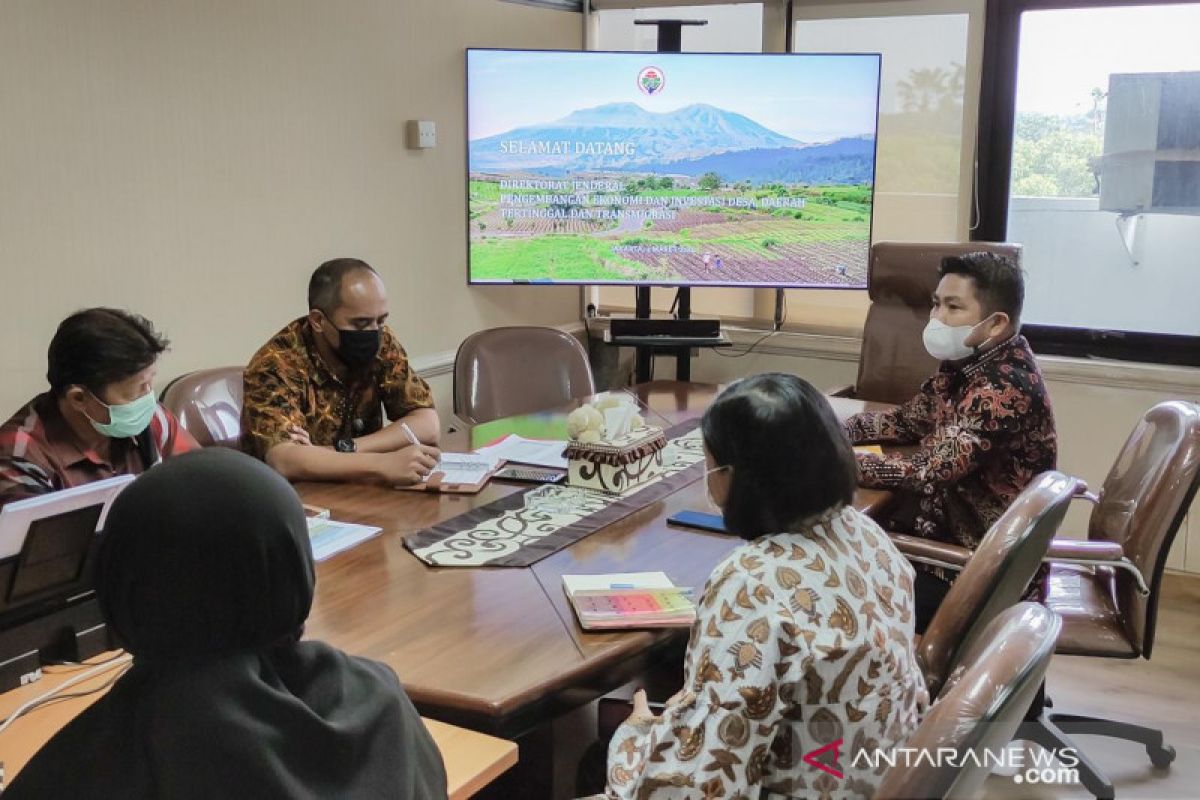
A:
670	168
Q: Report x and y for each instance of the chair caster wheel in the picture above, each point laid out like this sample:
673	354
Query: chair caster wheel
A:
1161	756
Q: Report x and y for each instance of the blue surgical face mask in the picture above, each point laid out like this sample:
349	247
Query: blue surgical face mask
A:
708	492
126	420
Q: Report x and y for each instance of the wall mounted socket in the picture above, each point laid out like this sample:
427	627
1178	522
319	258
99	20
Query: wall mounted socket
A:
421	134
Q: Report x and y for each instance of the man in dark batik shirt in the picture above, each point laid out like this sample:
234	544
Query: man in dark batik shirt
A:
316	394
982	423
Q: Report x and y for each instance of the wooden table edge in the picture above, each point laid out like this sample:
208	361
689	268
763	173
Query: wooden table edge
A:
43	723
503	757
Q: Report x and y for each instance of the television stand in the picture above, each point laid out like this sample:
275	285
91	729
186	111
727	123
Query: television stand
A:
677	336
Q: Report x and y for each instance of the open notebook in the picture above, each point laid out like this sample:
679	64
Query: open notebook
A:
629	600
329	537
464	473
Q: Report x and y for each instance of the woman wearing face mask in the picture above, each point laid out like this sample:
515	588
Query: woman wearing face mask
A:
982	425
205	575
100	417
804	635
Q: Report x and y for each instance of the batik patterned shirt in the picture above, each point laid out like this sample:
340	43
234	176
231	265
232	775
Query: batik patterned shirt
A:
984	430
287	384
803	642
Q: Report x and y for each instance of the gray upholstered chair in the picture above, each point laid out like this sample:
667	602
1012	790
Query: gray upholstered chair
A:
980	709
901	278
208	405
505	371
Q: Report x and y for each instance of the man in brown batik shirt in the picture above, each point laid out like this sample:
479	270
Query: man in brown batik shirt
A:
316	393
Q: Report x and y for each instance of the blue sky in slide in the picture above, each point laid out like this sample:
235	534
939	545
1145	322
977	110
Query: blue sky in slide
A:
810	98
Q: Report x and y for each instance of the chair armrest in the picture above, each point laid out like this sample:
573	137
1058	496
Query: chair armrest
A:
1082	493
840	391
928	551
1075	549
1095	554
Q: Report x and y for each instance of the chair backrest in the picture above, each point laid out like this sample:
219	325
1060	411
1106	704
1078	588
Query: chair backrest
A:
208	404
901	278
1142	505
506	371
980	710
996	575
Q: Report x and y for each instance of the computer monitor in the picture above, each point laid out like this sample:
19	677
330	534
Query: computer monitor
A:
670	169
48	609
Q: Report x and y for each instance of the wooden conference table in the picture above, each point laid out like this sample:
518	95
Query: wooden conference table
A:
472	759
498	649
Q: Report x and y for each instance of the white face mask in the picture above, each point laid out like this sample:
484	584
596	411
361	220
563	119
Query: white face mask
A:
712	504
946	343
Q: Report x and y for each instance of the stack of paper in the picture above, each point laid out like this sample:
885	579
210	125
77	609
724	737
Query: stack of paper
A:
538	452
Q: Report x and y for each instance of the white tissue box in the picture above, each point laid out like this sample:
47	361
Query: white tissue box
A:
626	463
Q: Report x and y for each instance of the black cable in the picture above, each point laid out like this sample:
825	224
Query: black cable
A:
761	339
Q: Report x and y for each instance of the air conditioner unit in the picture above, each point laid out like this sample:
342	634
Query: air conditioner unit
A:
1151	161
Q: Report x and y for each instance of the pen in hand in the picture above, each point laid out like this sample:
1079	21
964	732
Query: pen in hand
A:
408	433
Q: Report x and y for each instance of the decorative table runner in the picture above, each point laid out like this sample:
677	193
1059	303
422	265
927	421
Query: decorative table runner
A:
523	528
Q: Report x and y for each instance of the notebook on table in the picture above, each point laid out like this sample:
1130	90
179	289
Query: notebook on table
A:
629	600
462	473
329	537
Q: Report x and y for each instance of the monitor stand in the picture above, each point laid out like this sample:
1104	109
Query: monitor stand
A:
683	355
74	634
670	40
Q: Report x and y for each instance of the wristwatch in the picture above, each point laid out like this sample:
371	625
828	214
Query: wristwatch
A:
345	446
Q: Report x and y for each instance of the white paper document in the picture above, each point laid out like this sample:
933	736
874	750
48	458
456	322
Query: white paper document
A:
538	452
617	580
466	467
328	538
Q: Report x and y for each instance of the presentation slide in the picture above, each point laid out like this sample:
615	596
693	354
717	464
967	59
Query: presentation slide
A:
669	168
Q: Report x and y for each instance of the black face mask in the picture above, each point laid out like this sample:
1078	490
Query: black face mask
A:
357	348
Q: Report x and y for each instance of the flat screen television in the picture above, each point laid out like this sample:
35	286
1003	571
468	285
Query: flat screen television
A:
670	169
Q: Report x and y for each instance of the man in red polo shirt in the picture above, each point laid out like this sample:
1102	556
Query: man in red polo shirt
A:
100	417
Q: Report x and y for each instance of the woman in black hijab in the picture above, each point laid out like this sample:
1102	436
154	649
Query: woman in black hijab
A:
205	575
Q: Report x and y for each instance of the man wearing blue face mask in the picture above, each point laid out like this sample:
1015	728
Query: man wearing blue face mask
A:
315	396
982	423
100	417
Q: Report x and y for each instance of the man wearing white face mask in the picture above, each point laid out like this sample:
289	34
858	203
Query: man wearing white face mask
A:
983	422
100	417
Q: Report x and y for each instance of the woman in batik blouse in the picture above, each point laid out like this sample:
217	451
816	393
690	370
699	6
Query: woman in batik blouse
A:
802	653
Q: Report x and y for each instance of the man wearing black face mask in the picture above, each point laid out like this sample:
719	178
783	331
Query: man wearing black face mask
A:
316	394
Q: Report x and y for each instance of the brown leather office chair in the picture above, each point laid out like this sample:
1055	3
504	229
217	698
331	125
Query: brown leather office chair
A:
901	278
1106	589
506	371
994	578
208	404
981	707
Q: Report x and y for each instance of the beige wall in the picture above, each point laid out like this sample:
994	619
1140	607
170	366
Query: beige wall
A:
194	160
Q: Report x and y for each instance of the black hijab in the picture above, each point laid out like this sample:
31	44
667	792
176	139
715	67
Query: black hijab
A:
205	575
